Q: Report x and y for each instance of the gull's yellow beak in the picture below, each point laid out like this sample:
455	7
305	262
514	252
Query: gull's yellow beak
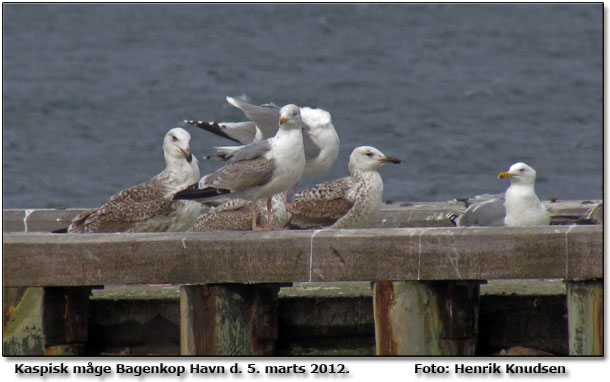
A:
505	174
282	120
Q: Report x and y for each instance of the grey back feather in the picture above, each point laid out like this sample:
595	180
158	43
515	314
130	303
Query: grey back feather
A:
311	149
251	151
242	132
239	176
266	117
490	212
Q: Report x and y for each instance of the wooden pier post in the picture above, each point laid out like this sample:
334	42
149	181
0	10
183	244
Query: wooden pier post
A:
228	319
586	317
46	321
426	317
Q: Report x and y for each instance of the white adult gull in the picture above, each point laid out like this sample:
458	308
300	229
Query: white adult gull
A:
519	206
320	139
149	206
350	202
259	169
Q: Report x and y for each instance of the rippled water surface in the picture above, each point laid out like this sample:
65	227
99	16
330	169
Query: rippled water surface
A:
459	92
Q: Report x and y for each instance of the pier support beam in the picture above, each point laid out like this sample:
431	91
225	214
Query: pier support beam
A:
228	319
45	321
586	317
426	317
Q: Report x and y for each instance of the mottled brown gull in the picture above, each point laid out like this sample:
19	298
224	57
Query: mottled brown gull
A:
519	206
149	206
236	215
259	169
320	139
350	202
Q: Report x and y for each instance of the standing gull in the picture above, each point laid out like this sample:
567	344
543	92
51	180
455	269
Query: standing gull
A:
519	206
349	202
320	139
149	206
259	169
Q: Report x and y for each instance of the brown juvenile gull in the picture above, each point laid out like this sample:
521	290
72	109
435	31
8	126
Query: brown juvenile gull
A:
320	139
519	206
236	215
349	202
149	206
259	169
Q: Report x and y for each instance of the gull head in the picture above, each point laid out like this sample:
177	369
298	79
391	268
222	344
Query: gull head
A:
290	117
519	173
176	145
367	158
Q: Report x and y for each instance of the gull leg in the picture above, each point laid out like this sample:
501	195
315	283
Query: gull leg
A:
269	215
255	228
269	226
294	191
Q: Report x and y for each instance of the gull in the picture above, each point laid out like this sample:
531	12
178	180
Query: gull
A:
236	215
259	169
320	139
519	206
149	206
350	202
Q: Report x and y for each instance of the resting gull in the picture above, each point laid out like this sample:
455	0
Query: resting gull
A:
320	139
349	202
236	215
519	206
149	206
259	169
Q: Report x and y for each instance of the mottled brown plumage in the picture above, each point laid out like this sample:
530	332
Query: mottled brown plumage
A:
141	208
321	205
350	202
236	215
149	206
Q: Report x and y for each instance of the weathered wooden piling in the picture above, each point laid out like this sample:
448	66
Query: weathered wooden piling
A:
46	321
586	317
228	319
426	317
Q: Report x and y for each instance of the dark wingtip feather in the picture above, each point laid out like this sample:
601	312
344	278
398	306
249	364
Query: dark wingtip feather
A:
193	192
453	218
218	157
212	127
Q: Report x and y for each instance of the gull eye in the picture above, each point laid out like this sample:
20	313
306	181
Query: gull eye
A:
173	137
369	154
521	169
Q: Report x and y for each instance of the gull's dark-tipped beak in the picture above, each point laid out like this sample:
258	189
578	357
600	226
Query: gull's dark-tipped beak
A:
505	174
187	154
282	120
390	160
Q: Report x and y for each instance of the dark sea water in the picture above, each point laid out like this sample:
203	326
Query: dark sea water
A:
459	92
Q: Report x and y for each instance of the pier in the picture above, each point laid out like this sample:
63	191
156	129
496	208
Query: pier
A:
426	277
